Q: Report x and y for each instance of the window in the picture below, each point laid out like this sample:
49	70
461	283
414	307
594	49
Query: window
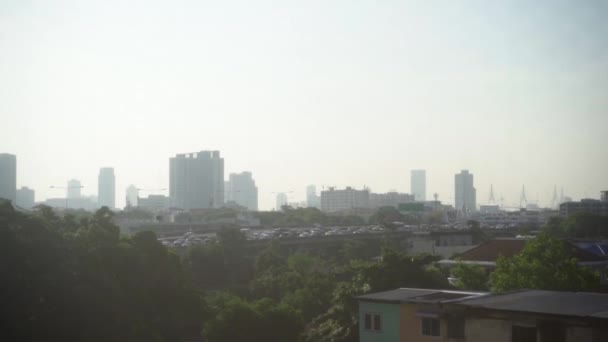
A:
373	322
431	327
523	334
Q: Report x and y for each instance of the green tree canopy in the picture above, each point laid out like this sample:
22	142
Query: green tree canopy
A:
544	263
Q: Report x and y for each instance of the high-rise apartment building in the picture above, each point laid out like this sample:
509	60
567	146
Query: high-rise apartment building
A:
465	193
241	189
196	180
418	185
106	187
26	198
312	199
281	201
336	200
132	195
73	189
8	176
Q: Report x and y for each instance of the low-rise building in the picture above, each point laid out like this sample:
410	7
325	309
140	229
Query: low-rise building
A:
389	199
421	315
591	206
333	200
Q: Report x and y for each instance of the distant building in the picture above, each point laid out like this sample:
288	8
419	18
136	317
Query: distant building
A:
312	199
241	189
604	196
465	193
389	199
333	200
106	187
73	189
153	202
132	195
26	198
591	206
418	184
8	176
196	180
281	201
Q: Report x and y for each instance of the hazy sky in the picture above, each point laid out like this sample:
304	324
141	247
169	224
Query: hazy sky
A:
309	92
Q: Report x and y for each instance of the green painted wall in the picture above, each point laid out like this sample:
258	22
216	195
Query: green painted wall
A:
390	322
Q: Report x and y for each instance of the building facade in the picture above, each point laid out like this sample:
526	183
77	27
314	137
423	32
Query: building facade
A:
106	188
196	180
73	189
465	193
312	199
281	201
241	189
153	202
591	206
389	199
26	198
132	195
333	200
8	176
418	184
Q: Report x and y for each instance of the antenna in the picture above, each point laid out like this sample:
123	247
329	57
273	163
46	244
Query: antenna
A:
554	201
491	200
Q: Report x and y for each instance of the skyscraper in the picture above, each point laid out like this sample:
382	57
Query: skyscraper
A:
132	196
465	193
418	184
106	187
8	176
281	201
196	180
25	198
241	189
312	199
73	189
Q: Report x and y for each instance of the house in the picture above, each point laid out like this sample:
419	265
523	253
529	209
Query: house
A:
410	315
420	315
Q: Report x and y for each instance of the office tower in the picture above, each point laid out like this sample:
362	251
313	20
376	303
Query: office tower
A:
196	180
106	187
281	201
132	196
8	176
73	188
418	185
336	200
312	199
241	189
25	198
464	190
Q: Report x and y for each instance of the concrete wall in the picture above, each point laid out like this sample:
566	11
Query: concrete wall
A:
390	322
485	330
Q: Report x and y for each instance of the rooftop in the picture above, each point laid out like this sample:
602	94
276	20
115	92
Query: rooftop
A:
409	295
578	304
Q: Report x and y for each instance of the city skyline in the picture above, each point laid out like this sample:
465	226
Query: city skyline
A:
331	94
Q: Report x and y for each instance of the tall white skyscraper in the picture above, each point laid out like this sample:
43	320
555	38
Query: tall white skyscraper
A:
418	184
281	200
196	180
73	189
241	189
465	193
8	177
132	196
312	199
106	187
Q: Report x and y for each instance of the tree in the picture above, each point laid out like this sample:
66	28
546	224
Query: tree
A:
470	277
544	263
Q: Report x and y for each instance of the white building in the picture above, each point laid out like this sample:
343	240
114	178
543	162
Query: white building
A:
196	180
418	184
153	202
73	189
26	198
312	199
106	188
333	200
389	199
132	194
241	189
281	201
